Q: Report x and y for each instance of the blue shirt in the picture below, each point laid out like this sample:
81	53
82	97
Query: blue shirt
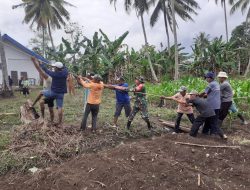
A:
122	97
213	95
59	79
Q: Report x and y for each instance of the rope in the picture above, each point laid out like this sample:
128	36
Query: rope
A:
241	98
163	95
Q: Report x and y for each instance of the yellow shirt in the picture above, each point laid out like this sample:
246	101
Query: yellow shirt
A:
96	90
181	107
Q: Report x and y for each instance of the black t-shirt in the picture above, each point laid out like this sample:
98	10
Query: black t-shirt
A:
202	106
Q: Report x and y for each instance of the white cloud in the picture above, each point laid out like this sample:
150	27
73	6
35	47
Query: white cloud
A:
96	14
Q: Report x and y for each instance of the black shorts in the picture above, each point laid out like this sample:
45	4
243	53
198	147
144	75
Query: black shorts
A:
120	106
49	101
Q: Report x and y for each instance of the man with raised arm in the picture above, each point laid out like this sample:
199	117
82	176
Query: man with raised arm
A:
212	93
140	103
58	86
122	99
96	87
207	114
181	97
47	81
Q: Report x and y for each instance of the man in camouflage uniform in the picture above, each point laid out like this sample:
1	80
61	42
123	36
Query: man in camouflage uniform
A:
140	102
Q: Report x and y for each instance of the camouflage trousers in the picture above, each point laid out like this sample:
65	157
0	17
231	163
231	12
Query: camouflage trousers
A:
140	106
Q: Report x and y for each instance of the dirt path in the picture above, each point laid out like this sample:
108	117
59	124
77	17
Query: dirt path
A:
156	163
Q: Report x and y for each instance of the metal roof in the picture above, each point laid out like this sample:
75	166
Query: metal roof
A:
10	40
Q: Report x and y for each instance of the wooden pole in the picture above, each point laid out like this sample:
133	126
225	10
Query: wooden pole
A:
207	146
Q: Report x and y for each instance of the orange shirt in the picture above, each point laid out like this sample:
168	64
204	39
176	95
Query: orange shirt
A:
181	107
96	90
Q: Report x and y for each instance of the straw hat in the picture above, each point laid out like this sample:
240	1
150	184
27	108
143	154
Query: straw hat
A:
222	75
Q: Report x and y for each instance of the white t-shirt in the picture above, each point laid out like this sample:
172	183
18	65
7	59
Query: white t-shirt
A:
47	83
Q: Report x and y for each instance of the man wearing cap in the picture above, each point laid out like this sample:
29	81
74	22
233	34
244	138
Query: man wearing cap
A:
94	99
47	81
181	97
207	114
140	102
212	93
122	99
58	85
226	96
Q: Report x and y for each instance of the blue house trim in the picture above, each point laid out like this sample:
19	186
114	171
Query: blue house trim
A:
10	40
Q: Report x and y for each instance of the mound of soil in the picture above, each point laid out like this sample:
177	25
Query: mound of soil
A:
156	163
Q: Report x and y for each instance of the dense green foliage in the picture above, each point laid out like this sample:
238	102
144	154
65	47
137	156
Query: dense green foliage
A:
168	88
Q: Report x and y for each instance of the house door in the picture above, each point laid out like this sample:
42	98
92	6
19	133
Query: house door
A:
24	75
14	77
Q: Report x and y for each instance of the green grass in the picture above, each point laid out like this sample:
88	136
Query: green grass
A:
4	139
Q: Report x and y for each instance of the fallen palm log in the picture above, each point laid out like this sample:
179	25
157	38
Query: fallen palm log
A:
207	146
172	125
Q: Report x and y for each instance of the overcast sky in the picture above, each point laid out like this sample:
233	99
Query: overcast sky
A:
95	14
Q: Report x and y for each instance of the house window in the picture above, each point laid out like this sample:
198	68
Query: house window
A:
24	74
14	77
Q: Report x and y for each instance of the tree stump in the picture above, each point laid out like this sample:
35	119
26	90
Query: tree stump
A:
28	113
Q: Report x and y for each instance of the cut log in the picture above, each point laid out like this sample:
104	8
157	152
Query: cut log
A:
172	125
28	113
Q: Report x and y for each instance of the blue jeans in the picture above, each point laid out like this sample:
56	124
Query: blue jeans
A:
53	95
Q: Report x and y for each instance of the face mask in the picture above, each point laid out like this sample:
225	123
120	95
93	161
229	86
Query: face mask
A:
53	69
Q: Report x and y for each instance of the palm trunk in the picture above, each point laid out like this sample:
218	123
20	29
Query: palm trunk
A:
51	39
4	66
166	26
239	64
147	53
247	69
225	14
43	42
176	73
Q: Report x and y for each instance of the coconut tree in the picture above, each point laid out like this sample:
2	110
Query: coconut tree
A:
46	14
140	6
4	66
202	40
243	5
184	9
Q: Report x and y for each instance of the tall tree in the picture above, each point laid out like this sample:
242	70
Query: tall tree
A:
183	8
4	66
243	5
140	6
46	14
202	40
223	4
176	70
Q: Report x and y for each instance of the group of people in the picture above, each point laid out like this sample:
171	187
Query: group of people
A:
55	86
24	86
213	104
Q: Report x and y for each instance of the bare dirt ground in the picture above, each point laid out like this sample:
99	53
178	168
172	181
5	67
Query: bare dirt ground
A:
152	163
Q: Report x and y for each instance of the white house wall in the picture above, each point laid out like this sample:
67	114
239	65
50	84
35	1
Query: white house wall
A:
20	62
